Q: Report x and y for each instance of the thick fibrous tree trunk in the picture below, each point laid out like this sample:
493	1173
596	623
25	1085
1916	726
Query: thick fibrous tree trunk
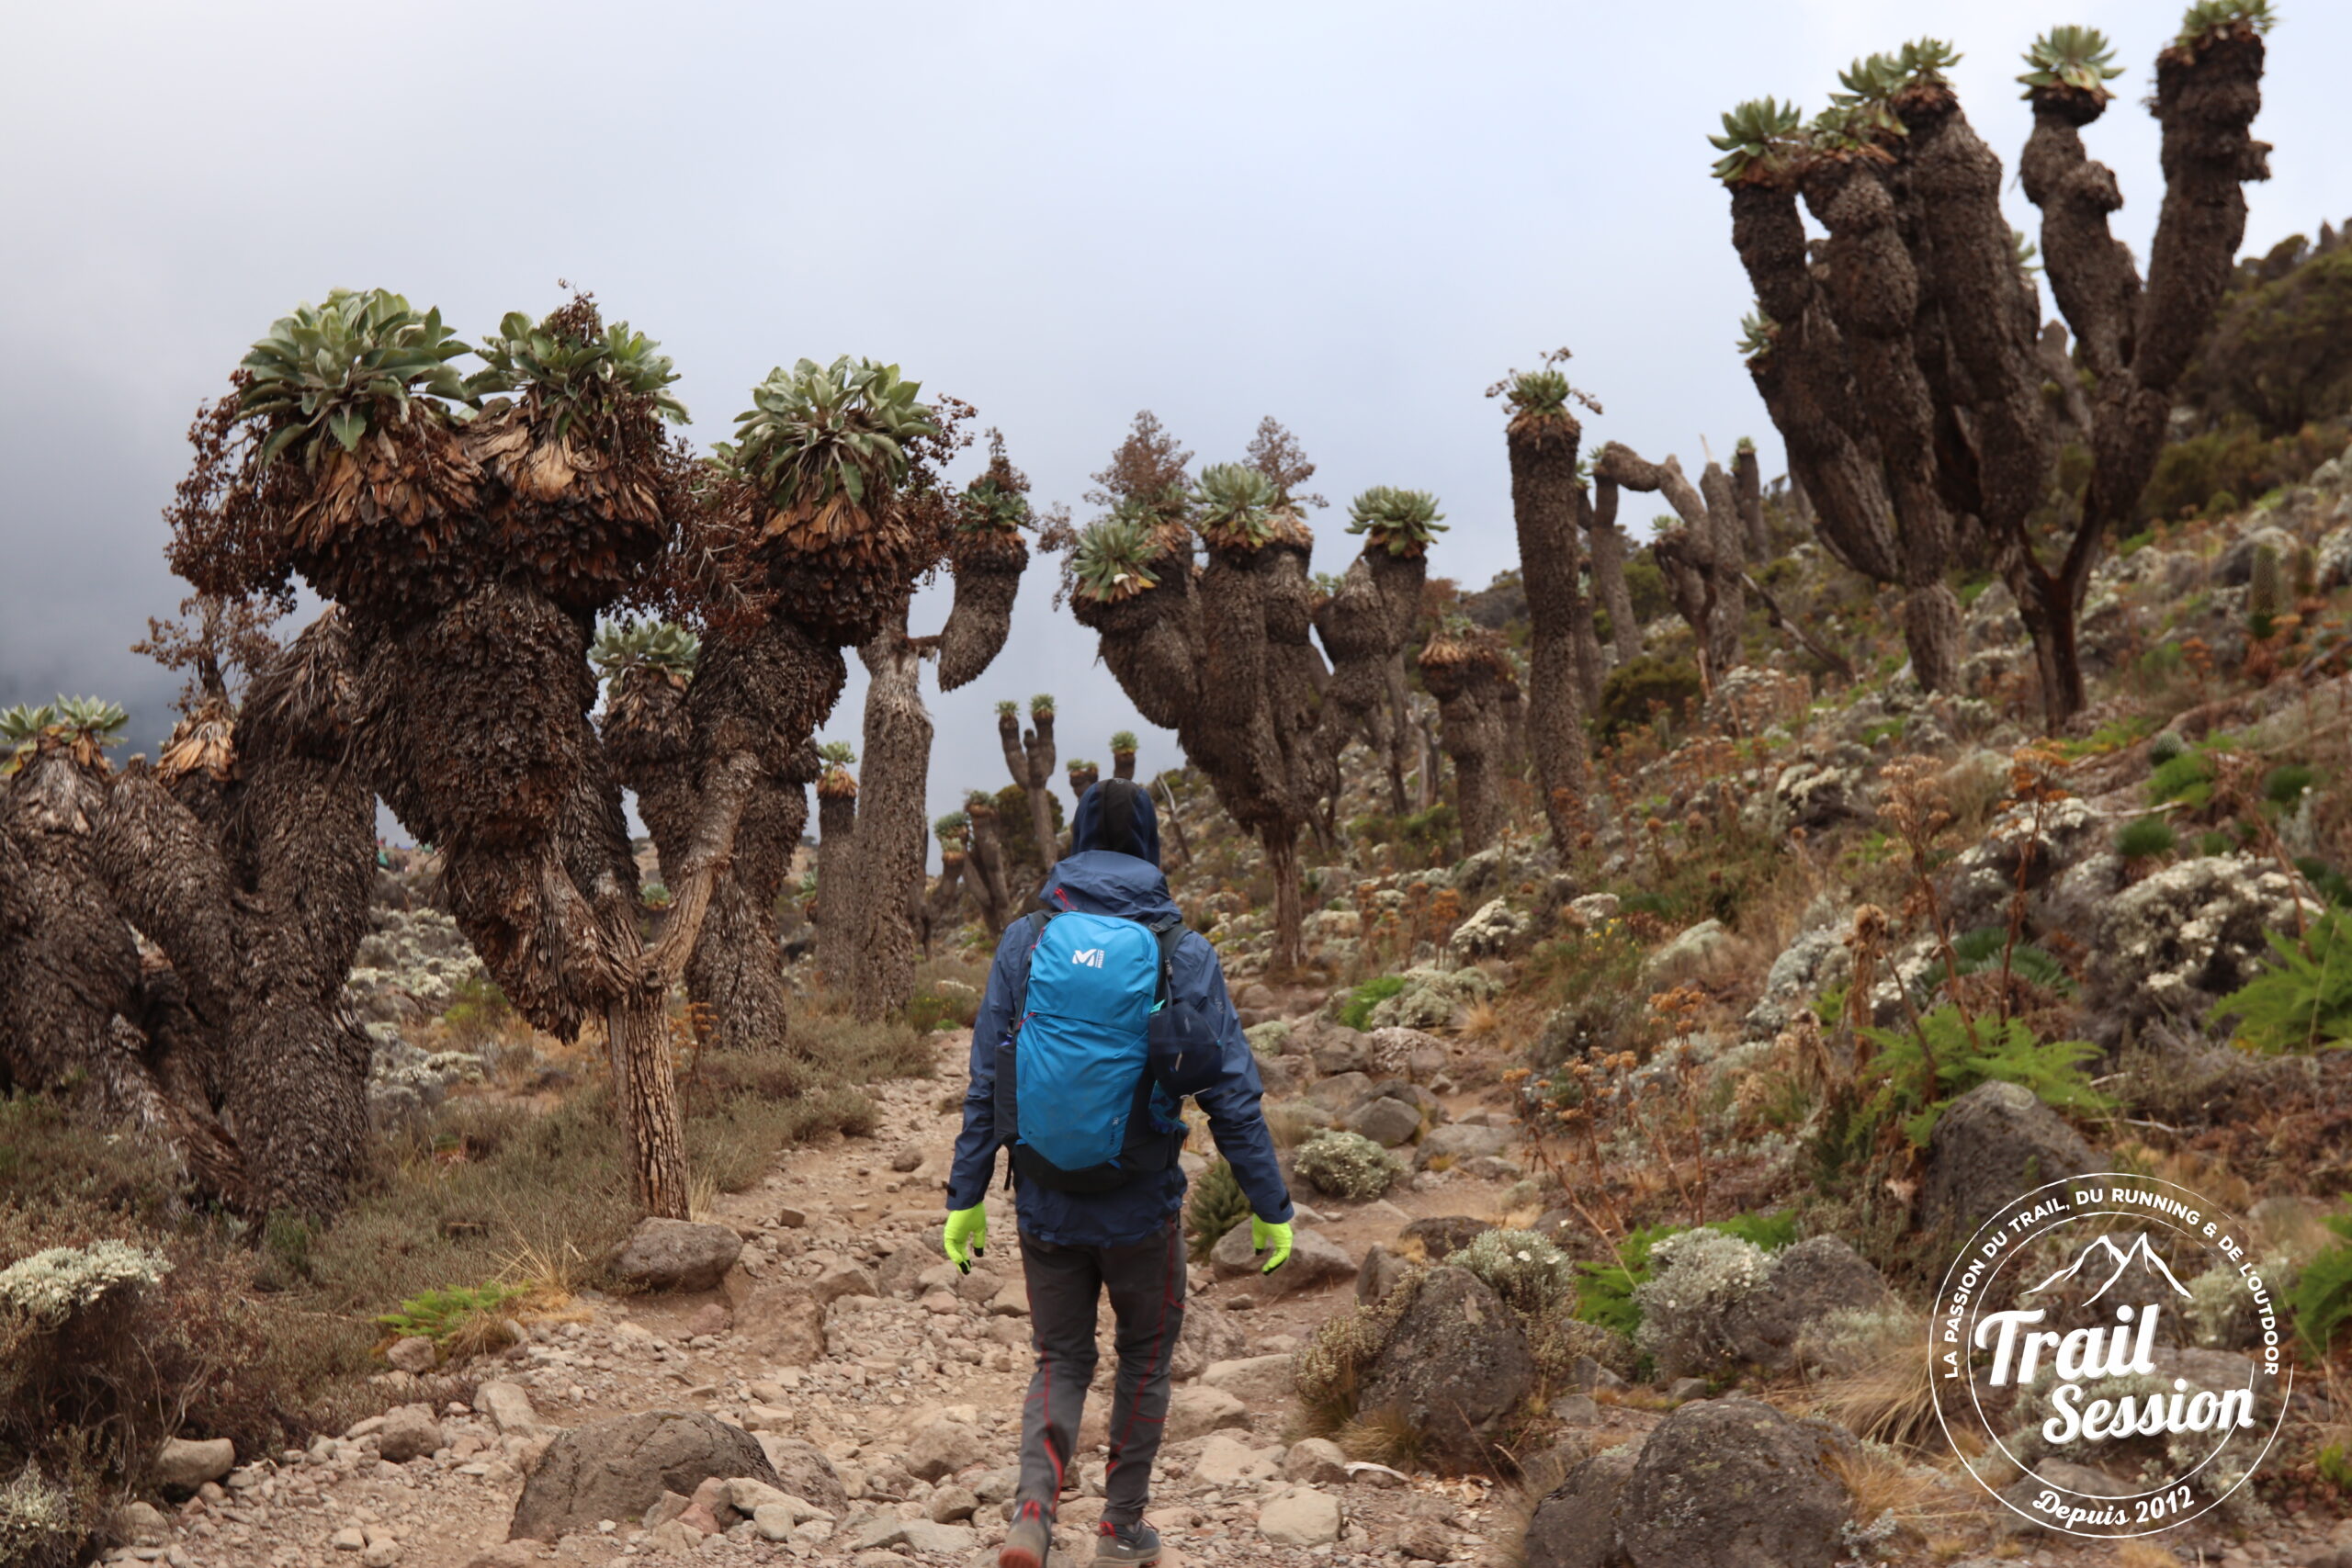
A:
1467	684
1747	487
260	910
1364	625
1546	503
1608	542
1702	557
1030	759
984	869
837	904
891	836
1122	764
946	899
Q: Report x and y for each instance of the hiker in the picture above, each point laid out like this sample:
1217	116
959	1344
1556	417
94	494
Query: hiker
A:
1102	1012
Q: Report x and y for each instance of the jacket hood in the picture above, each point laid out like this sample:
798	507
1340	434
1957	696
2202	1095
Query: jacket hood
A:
1117	814
1100	879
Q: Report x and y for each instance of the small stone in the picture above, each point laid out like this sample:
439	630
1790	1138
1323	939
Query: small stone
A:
414	1353
940	1304
845	1280
1226	1461
1195	1412
1266	1377
508	1407
1011	1302
410	1432
945	1447
380	1553
677	1255
1305	1518
791	1218
348	1538
952	1505
1318	1461
1575	1410
1386	1121
141	1524
1683	1390
1426	1540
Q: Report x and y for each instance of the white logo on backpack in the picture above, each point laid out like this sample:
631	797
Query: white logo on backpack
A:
1090	956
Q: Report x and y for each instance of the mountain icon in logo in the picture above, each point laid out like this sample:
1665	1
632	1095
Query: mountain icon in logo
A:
2103	1246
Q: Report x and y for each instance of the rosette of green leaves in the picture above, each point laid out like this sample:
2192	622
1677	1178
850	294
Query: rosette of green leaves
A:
663	646
989	507
1234	506
1122	740
571	372
360	362
1113	560
1538	394
836	754
1402	522
1756	334
815	432
2070	56
2209	21
952	829
1758	140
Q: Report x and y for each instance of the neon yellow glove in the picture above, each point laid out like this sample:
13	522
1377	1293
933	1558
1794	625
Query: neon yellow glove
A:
967	1236
1270	1238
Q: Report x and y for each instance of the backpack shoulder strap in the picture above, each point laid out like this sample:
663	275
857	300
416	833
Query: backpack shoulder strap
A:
1168	931
1033	927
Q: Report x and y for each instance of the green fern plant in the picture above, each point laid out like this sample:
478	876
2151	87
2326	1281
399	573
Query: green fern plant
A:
1215	1206
2321	1298
1923	1070
2305	1002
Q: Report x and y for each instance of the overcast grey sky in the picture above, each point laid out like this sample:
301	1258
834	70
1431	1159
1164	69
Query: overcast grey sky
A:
1354	217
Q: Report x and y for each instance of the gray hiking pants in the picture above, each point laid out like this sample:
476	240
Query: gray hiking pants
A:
1146	1284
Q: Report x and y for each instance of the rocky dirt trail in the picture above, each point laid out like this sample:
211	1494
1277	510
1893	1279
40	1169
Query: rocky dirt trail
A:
884	1389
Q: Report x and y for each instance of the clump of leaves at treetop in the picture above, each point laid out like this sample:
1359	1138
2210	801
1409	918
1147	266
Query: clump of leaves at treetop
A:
348	367
2210	21
2071	57
1402	522
84	726
837	781
1760	141
1234	506
1123	741
571	370
441	1315
1215	1206
2305	1002
630	644
1605	1290
817	438
951	831
1356	1012
1113	559
1921	1070
2321	1297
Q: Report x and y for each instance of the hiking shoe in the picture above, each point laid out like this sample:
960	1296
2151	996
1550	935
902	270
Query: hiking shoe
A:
1031	1540
1135	1543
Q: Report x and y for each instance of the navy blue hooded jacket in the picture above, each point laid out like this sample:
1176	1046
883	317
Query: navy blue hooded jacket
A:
1113	869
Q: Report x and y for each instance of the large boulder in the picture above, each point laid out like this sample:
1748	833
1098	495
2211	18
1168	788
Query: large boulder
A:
619	1468
1460	1143
183	1464
1386	1121
1734	1481
802	1471
784	1323
409	1432
1494	931
677	1255
1210	1334
2178	940
1575	1525
1456	1366
1993	1146
1315	1259
1806	1283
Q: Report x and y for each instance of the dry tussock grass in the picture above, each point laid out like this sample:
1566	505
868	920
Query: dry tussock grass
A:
1881	1484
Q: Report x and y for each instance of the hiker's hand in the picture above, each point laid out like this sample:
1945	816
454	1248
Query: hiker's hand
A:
1271	1239
967	1236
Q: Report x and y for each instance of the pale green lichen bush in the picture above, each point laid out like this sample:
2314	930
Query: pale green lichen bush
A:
1346	1165
1695	1278
37	1521
1329	1371
52	1285
1528	1272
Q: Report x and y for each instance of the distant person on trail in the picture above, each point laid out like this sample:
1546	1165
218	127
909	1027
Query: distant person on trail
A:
1102	1013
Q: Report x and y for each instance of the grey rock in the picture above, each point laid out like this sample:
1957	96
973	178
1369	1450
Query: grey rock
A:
1493	931
1996	1143
1442	1236
1386	1121
1315	1259
1195	1412
916	1535
845	1279
677	1255
1340	1090
618	1468
1574	1524
1318	1462
183	1464
1461	1141
943	1448
1575	1410
1411	1054
1808	1281
1304	1518
1683	1390
409	1432
1210	1334
1690	950
1455	1365
783	1324
1382	1271
412	1353
508	1407
952	1505
1592	909
800	1467
1734	1481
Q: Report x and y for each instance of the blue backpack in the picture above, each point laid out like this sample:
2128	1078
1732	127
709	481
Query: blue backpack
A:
1096	1031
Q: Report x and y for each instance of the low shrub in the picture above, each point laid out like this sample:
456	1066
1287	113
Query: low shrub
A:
2320	1300
1922	1071
1356	1012
1214	1206
1530	1274
1346	1165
